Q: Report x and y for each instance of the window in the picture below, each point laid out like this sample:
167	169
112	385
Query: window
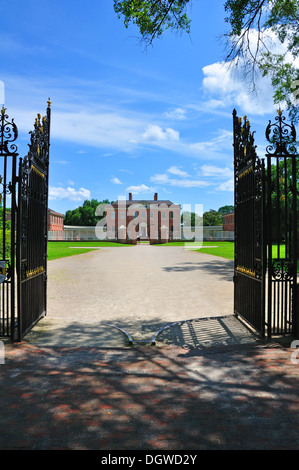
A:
171	215
163	215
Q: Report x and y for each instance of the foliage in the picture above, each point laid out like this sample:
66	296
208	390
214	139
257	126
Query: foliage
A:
226	209
209	218
190	219
212	218
267	18
85	215
153	17
7	237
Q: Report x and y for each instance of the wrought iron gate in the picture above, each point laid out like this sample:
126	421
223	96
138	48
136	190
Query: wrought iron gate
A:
266	227
8	162
33	227
23	227
282	194
249	267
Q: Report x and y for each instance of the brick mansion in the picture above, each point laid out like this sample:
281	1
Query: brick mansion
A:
155	220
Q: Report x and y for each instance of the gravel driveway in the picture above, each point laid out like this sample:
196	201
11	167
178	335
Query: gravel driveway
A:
139	289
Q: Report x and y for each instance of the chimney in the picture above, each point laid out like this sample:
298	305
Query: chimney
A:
156	197
130	196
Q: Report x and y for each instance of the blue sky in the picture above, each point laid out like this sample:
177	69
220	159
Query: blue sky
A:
126	119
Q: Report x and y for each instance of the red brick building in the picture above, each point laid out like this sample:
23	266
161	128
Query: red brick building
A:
55	225
229	222
55	221
155	220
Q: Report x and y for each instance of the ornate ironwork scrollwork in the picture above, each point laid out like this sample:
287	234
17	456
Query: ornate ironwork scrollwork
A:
39	140
282	137
282	269
245	148
8	135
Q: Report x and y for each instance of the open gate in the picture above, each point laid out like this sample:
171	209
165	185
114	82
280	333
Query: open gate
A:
23	227
282	195
249	267
33	227
266	227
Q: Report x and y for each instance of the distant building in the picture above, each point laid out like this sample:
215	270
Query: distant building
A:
55	224
229	222
155	220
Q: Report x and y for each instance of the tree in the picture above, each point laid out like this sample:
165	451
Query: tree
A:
153	17
212	218
225	209
252	24
191	219
85	215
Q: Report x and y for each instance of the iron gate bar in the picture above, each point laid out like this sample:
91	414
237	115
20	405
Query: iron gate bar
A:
8	151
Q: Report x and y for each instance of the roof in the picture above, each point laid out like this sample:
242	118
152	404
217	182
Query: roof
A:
143	202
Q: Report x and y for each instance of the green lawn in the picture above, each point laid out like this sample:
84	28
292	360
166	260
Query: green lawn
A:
223	249
64	249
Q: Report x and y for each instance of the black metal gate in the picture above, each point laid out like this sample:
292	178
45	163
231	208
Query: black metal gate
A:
8	162
266	227
23	227
282	194
33	227
249	268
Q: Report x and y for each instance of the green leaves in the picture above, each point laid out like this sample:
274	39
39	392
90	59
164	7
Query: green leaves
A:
281	19
153	17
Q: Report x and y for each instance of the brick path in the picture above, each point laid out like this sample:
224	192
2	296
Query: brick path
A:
149	398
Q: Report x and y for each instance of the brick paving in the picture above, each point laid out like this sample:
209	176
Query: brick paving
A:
149	398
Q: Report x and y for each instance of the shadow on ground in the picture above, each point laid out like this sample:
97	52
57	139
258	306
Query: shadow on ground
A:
148	398
194	333
224	271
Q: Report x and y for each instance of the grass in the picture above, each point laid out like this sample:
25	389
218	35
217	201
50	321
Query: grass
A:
63	249
223	249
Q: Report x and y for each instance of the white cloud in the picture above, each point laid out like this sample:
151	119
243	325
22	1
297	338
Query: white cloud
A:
155	133
222	142
215	171
115	181
225	83
226	186
68	193
174	170
176	114
181	183
142	188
